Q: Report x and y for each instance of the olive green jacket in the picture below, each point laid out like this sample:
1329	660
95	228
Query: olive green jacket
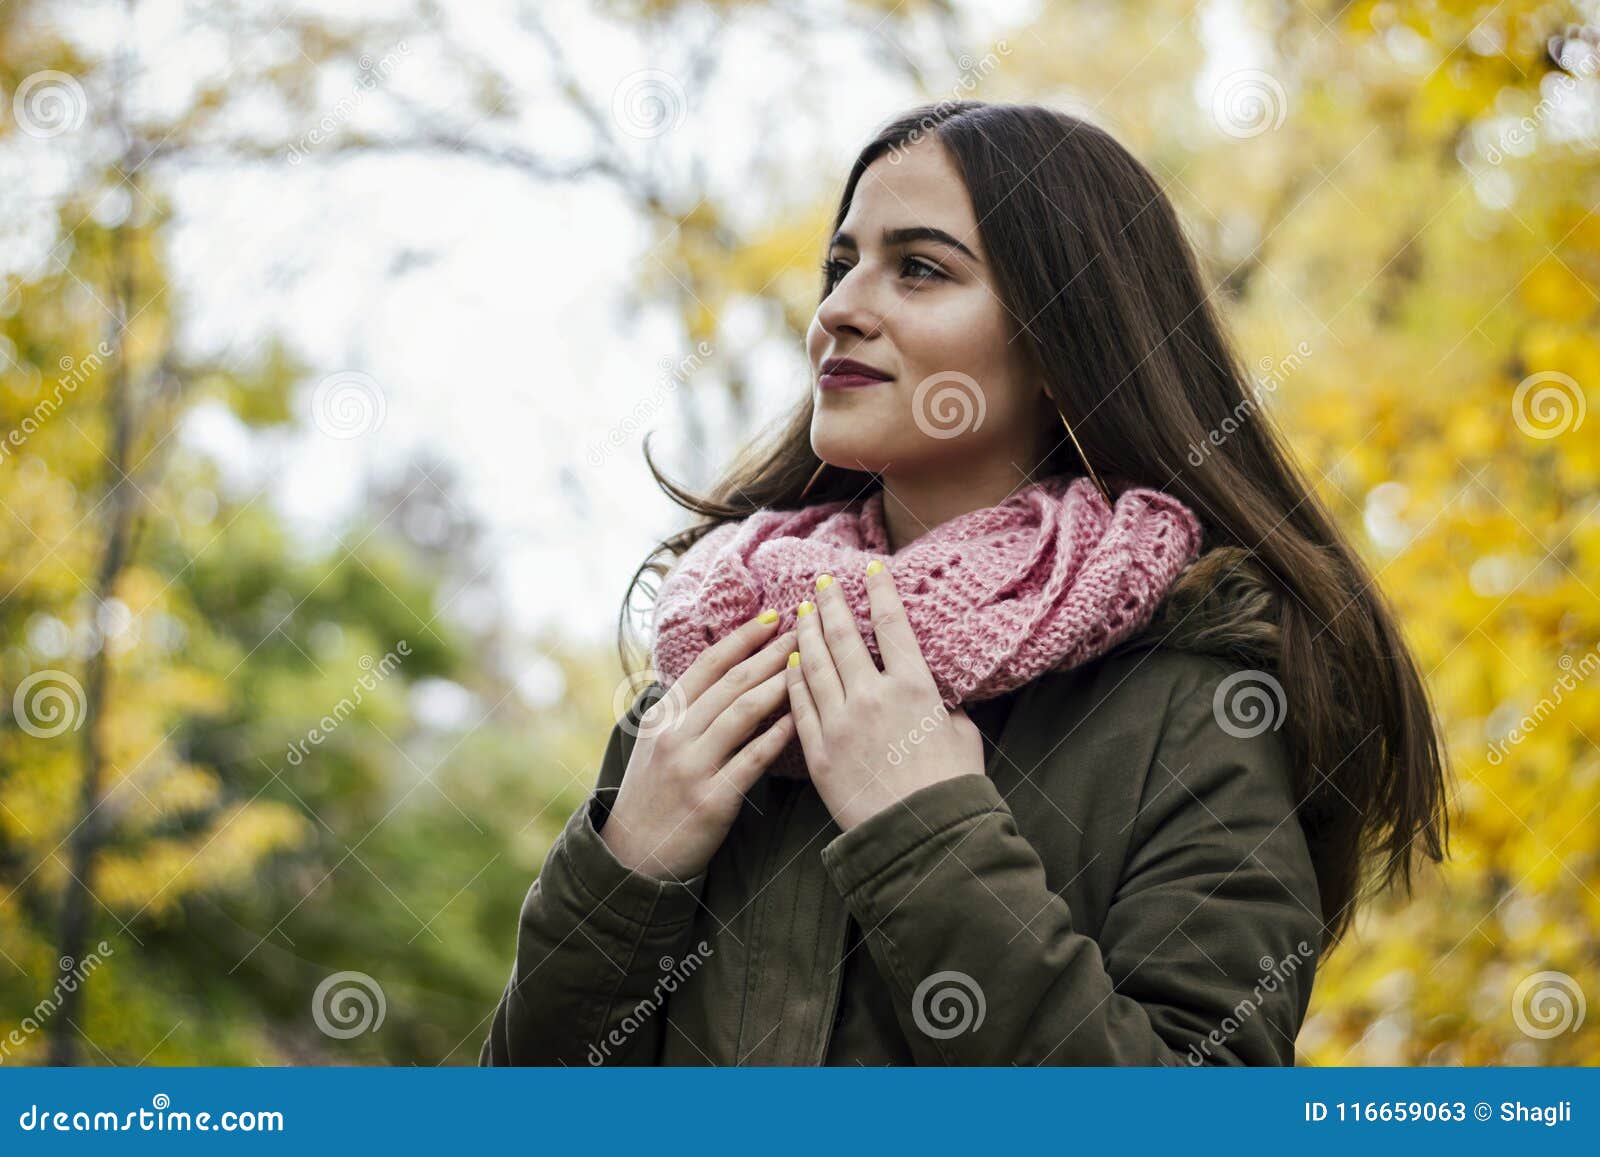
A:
1126	884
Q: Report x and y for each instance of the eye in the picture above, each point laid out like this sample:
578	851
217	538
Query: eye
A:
931	272
920	269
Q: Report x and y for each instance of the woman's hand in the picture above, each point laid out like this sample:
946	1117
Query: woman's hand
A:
690	766
872	737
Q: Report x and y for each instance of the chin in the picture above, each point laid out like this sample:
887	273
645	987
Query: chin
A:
857	450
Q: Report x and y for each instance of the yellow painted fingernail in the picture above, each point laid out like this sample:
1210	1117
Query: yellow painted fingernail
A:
794	658
824	581
768	616
804	609
874	567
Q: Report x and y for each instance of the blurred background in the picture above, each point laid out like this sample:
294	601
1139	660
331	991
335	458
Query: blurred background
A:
330	333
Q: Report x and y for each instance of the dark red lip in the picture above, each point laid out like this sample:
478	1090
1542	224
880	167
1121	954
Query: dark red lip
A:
846	373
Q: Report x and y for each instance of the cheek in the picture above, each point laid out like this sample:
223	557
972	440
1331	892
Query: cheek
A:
965	333
961	351
816	341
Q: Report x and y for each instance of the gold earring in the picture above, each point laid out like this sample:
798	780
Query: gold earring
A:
1095	477
817	473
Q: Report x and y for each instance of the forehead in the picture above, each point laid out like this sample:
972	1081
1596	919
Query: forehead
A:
923	187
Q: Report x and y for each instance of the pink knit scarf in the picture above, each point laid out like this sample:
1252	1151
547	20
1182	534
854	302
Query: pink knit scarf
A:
1048	579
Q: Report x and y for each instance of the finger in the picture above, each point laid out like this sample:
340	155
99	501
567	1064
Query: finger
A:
751	672
741	772
803	709
822	680
897	643
715	661
729	730
849	649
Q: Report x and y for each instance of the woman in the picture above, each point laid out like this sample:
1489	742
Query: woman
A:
1072	732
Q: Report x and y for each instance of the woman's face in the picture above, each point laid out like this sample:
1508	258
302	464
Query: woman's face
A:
923	311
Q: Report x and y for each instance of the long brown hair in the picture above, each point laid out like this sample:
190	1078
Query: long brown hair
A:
1086	246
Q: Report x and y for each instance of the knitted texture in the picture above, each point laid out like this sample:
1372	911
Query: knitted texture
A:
1046	580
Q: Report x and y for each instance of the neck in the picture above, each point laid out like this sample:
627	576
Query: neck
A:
915	504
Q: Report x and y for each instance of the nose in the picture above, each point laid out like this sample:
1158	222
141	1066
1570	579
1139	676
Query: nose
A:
851	310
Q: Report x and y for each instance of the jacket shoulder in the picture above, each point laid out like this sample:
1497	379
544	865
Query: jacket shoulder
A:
1133	737
1127	697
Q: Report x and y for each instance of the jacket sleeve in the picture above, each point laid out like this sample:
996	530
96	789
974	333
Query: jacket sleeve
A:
595	941
1208	948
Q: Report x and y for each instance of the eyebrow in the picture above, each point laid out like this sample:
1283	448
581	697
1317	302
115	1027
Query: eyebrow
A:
908	236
